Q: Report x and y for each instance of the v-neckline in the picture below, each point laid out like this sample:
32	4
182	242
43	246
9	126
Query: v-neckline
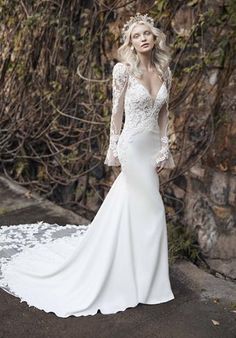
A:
153	99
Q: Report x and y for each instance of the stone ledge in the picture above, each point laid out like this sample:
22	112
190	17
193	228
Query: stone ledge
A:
203	283
18	205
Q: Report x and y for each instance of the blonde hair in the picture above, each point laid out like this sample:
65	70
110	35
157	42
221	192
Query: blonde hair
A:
161	54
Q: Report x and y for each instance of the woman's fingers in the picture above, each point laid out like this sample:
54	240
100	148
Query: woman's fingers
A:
160	167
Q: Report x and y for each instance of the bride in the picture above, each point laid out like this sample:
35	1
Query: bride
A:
121	258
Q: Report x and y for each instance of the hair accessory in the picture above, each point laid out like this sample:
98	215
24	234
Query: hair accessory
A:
138	17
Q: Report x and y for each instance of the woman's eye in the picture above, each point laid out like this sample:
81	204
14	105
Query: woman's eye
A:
137	35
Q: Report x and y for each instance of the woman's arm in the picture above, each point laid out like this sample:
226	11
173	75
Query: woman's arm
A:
119	83
165	159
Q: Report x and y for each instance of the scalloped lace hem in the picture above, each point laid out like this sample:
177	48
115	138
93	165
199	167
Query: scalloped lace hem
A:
15	239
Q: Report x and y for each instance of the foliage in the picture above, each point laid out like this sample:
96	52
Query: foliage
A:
182	242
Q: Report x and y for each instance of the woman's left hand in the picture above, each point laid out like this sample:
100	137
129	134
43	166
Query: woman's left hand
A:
160	167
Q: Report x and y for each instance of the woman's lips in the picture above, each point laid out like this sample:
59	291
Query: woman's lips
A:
145	45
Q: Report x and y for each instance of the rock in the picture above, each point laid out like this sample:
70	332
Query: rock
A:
222	212
198	171
178	192
232	191
181	182
224	247
198	185
219	188
227	267
199	214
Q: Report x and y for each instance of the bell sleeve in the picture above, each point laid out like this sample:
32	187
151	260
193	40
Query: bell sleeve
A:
119	83
164	153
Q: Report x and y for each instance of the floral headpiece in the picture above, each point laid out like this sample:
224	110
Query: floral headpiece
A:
138	17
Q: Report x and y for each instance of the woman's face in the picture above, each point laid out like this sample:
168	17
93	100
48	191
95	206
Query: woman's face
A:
142	38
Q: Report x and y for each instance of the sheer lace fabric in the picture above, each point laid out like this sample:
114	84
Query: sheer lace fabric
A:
119	83
141	114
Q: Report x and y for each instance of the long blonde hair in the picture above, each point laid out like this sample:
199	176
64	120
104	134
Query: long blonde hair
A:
161	54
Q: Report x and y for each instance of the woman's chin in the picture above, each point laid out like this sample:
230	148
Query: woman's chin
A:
145	51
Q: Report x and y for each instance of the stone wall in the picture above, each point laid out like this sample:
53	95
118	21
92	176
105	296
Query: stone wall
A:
207	188
210	197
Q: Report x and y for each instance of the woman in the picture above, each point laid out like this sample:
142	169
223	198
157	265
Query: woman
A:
122	259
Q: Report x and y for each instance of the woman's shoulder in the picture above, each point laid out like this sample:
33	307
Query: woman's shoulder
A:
121	68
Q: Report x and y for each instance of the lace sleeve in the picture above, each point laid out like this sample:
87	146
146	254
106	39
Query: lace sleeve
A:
165	154
119	82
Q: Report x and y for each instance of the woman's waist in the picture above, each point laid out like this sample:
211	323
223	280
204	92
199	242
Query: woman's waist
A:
131	128
129	134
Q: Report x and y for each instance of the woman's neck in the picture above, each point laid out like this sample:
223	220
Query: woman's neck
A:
145	61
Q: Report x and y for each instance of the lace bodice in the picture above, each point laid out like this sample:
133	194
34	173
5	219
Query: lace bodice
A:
141	113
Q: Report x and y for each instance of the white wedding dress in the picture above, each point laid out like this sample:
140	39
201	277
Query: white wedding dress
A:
121	258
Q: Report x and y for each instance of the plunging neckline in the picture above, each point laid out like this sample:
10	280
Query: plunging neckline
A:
153	99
